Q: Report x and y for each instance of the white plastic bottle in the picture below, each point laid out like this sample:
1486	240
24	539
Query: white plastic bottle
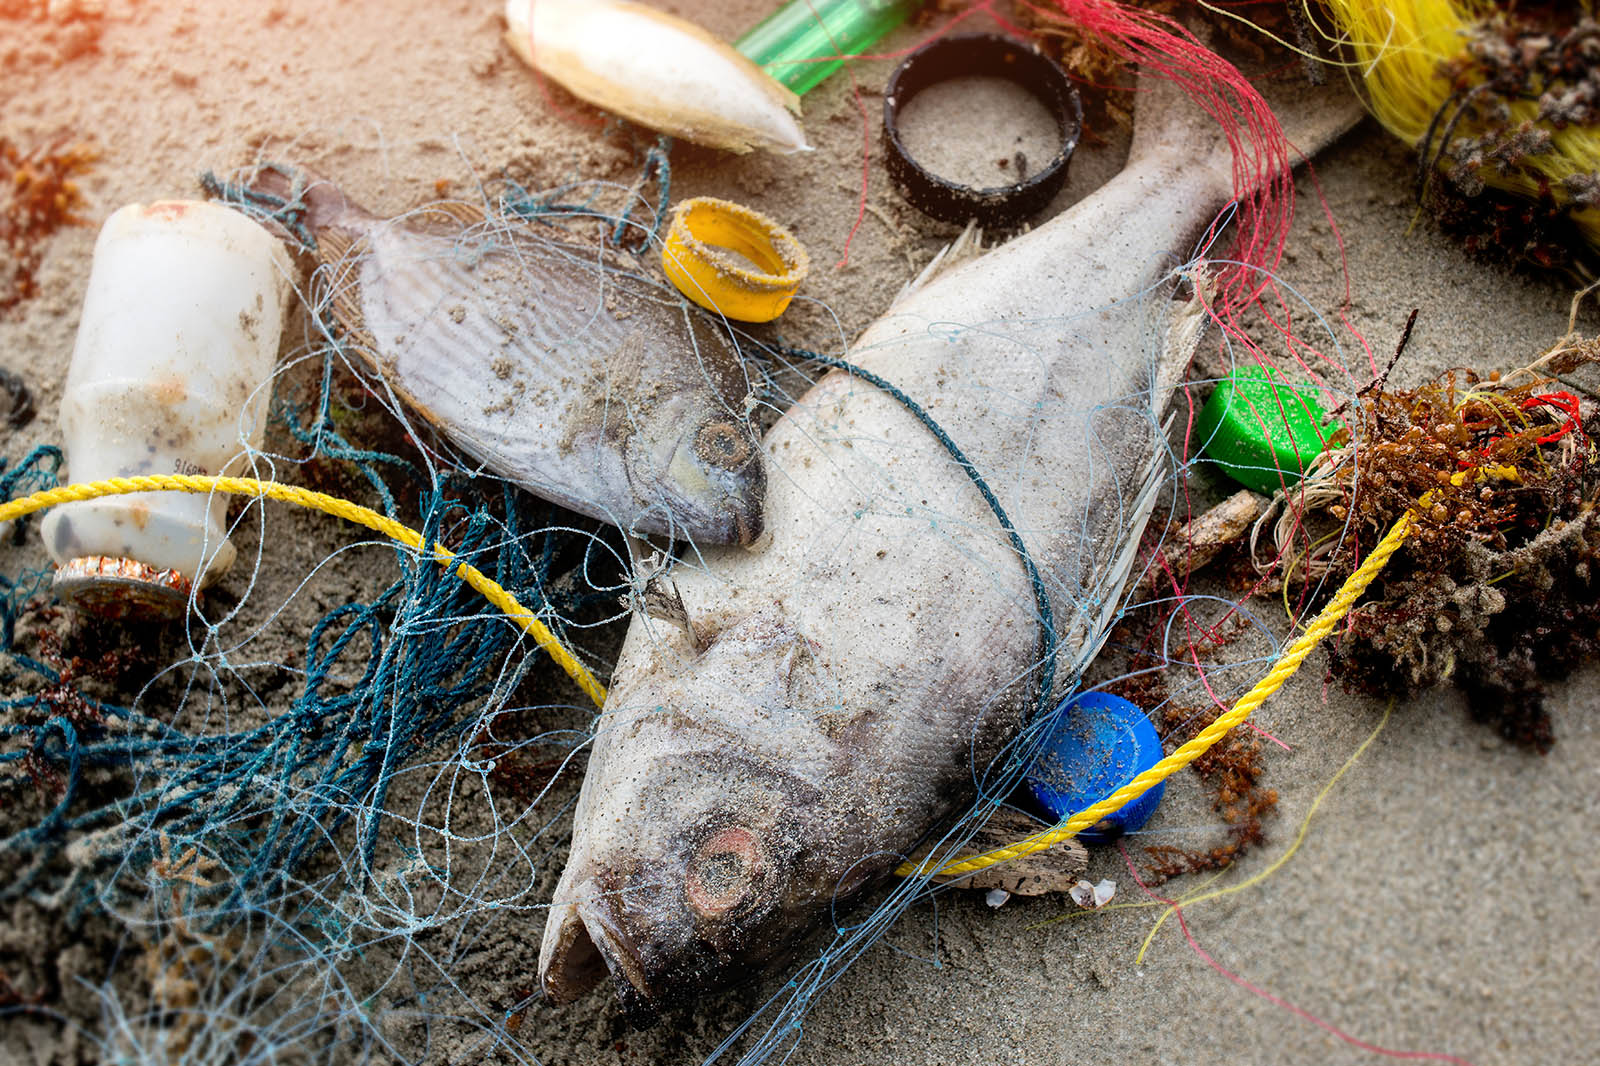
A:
177	341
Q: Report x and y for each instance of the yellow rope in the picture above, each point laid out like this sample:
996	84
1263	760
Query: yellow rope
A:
497	595
1204	892
320	501
1202	741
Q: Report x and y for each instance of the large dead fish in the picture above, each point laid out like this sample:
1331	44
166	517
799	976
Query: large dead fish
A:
547	363
838	690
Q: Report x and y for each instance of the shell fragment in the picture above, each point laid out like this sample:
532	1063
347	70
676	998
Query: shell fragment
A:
659	71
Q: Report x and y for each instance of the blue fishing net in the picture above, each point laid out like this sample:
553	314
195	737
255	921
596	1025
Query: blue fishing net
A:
247	843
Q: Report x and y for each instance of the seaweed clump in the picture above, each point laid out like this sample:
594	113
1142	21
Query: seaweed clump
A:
37	197
1498	587
1232	769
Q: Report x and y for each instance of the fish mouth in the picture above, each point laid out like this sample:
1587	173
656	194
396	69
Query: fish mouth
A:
583	942
747	522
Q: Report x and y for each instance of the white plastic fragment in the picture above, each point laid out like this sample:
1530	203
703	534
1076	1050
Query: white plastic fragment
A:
996	897
179	333
1093	896
660	71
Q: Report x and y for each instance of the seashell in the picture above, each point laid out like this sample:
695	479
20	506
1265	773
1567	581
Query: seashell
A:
1095	896
660	71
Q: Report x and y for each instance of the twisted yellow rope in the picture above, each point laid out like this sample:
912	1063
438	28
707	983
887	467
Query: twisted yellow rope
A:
499	597
350	512
1202	741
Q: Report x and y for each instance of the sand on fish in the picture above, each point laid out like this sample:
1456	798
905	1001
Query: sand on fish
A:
1445	897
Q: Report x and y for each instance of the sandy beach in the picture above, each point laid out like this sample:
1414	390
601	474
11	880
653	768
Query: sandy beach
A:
1443	899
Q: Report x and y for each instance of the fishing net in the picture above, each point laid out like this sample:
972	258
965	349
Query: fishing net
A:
337	842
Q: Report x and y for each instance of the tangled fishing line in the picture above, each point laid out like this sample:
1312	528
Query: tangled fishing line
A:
284	847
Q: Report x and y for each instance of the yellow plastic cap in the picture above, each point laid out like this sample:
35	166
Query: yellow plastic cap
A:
698	259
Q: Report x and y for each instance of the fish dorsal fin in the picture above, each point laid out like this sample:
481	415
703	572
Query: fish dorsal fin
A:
963	249
1185	324
339	282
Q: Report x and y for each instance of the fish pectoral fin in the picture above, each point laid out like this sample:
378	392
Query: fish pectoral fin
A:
1185	325
663	601
963	249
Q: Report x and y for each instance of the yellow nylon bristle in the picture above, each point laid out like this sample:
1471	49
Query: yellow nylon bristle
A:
1399	48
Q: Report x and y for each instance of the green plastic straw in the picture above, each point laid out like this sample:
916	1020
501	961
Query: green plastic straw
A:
790	42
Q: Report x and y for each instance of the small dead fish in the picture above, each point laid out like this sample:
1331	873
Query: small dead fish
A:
844	684
552	366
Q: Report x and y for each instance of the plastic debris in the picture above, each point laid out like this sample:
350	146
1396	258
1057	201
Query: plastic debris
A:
1100	742
984	55
805	41
699	258
178	336
1263	433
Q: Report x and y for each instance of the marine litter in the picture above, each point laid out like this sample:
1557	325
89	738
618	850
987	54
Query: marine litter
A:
321	815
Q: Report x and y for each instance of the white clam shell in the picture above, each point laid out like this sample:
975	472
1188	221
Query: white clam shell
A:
658	70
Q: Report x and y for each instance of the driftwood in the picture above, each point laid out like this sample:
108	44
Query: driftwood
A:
1196	543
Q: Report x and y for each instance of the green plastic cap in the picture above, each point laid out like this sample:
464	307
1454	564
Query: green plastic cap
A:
1261	432
793	43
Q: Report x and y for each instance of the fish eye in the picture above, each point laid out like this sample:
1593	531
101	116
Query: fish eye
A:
723	872
722	444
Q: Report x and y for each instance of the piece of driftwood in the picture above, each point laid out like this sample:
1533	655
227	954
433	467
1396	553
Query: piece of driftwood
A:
1055	869
1194	544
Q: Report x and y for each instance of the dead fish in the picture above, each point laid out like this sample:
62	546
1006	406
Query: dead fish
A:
554	367
660	71
849	680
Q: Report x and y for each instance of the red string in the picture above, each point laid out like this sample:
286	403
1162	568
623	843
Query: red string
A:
1256	990
1563	401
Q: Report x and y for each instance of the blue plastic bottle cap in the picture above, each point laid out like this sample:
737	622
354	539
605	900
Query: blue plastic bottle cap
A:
1099	743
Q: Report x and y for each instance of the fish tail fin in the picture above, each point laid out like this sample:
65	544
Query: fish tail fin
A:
326	206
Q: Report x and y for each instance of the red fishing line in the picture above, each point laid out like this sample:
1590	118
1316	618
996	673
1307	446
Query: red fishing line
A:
1279	1001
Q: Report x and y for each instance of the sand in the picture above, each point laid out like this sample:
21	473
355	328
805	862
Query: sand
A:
1444	898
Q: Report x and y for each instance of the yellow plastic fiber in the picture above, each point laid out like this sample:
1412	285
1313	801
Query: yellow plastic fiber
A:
1399	46
1202	742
